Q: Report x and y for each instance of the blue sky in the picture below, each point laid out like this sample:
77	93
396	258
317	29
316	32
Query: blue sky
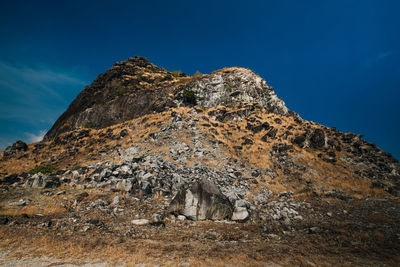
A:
333	62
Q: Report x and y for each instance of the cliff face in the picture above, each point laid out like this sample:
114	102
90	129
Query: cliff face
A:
136	87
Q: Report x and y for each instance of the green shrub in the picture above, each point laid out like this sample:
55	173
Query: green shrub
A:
229	89
45	169
189	97
176	73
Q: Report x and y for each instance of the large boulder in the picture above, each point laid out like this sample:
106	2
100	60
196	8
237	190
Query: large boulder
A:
42	181
17	147
202	201
317	139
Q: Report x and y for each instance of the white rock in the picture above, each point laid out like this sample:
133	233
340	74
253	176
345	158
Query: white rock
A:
147	176
156	218
140	222
75	175
181	217
21	202
126	169
240	214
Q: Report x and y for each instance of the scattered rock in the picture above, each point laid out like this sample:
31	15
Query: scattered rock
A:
115	201
317	139
17	147
140	222
21	202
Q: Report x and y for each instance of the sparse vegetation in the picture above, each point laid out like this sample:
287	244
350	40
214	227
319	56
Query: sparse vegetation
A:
189	97
176	73
44	169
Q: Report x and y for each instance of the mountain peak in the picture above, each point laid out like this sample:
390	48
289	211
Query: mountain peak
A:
135	87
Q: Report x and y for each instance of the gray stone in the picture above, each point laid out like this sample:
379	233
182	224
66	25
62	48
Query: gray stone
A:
42	181
75	175
202	201
156	218
140	222
105	173
21	202
181	217
115	200
242	203
125	185
147	176
240	214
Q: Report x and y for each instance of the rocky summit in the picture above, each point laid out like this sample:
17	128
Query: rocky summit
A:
152	166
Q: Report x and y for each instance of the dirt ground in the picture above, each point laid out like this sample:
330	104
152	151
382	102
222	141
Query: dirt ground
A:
332	233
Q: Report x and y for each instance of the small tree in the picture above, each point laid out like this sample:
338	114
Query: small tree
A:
189	97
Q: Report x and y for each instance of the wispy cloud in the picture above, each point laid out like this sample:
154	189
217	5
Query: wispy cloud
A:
33	138
31	99
372	60
28	93
27	81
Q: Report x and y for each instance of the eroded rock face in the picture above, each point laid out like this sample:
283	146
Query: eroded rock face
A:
236	85
202	201
123	92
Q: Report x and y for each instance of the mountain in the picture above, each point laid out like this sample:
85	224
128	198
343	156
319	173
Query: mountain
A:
136	87
216	161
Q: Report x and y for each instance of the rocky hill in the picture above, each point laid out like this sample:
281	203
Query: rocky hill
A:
136	87
147	154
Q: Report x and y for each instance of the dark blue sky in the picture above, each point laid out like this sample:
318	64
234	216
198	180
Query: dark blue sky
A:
333	62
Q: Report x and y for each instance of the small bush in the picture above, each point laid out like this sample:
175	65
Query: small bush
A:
176	73
229	89
189	97
45	169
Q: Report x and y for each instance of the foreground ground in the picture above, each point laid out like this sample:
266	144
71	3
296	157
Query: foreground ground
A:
98	229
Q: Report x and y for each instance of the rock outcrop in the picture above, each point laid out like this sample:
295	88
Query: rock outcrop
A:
136	87
202	201
17	147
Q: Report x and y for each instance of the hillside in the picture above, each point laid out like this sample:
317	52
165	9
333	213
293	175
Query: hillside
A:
215	164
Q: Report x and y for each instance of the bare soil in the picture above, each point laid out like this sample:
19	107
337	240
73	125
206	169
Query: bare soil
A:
355	232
